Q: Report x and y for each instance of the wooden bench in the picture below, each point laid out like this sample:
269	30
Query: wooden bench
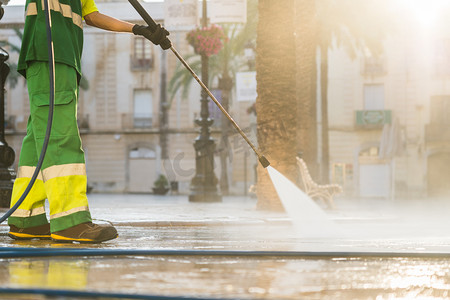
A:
324	192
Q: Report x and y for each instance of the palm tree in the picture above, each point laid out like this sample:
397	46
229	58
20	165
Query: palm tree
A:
228	61
277	103
357	26
287	36
222	69
306	80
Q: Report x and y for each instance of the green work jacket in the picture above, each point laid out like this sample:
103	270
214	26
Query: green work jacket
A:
67	34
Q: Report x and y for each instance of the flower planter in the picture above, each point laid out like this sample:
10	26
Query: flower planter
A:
207	40
160	190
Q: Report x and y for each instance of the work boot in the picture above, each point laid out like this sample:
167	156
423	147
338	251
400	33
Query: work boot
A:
41	232
86	233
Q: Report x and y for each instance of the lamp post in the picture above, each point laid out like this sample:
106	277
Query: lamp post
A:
7	155
204	183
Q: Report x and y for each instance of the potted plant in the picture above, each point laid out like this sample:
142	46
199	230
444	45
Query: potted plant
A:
161	185
207	40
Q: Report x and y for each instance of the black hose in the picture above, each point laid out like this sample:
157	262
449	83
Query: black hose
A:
51	72
8	252
96	295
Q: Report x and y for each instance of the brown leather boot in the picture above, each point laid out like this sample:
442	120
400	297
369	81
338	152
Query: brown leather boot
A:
41	232
86	233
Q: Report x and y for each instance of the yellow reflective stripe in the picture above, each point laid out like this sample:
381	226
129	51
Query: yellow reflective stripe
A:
63	238
66	11
64	170
36	196
69	212
31	9
29	236
25	213
69	192
27	172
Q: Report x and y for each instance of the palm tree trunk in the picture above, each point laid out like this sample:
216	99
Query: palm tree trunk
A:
324	105
306	80
276	106
164	116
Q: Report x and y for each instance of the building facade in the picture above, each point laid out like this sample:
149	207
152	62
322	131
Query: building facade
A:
389	125
121	107
389	128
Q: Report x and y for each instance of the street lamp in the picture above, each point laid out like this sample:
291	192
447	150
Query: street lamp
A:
7	155
204	183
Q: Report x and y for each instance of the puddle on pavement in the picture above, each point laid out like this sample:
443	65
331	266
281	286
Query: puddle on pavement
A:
242	278
237	277
251	278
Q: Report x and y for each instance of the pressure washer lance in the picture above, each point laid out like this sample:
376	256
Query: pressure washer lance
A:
264	162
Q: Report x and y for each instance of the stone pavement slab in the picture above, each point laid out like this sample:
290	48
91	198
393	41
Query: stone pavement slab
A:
173	223
147	210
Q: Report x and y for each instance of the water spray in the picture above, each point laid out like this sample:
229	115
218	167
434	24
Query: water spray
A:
152	24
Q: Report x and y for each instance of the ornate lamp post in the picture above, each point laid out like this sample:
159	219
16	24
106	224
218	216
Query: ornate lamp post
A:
204	183
7	156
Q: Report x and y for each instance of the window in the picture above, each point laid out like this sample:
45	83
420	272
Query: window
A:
143	109
373	66
142	152
438	130
442	58
142	58
374	97
440	110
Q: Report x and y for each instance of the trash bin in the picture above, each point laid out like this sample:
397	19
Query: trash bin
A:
174	187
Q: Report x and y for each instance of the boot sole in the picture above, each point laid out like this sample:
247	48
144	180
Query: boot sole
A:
63	239
25	236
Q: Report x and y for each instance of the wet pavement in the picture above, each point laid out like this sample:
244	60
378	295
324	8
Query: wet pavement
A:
173	223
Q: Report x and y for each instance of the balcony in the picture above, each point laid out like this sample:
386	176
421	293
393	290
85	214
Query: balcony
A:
137	121
437	132
140	64
373	66
373	119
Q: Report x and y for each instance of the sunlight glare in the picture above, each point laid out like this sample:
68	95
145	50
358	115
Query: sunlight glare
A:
425	12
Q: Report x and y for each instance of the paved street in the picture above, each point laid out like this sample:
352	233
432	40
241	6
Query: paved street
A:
173	223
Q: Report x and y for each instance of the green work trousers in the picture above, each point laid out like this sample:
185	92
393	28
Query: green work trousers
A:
62	179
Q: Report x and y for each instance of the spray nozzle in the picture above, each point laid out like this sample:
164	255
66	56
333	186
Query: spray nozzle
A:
264	162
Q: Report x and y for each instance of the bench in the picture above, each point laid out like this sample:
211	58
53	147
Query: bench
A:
316	191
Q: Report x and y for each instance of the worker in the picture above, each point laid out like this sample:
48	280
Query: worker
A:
62	179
